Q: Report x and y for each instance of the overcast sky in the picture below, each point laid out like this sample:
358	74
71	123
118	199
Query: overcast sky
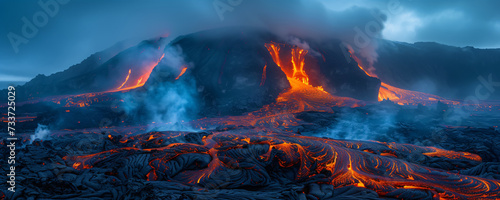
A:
82	27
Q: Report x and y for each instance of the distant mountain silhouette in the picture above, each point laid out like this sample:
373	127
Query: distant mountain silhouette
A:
447	71
221	58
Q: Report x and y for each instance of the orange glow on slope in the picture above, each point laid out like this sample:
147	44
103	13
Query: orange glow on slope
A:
299	97
274	50
385	93
366	72
302	96
140	77
298	65
126	79
182	72
401	96
297	60
263	79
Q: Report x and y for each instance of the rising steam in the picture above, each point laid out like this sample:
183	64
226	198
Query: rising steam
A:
41	133
168	105
358	125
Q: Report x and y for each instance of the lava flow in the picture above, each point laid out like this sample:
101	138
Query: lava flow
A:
138	79
401	96
183	70
296	71
258	159
302	95
126	80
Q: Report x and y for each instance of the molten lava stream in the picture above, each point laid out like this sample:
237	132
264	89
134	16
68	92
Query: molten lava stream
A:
398	95
302	95
253	159
260	155
126	79
402	96
183	70
297	60
140	77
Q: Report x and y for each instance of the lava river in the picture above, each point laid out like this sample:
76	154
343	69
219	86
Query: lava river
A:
250	158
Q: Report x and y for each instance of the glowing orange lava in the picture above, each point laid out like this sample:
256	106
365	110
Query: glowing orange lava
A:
182	72
452	154
263	79
267	148
298	65
302	95
398	95
297	70
298	98
336	162
126	79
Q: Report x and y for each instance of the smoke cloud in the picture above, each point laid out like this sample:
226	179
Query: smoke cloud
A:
170	105
378	125
42	132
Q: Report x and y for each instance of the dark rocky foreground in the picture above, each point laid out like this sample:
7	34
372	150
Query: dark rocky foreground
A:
241	162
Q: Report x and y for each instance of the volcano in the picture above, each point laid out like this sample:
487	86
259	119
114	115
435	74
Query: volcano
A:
242	113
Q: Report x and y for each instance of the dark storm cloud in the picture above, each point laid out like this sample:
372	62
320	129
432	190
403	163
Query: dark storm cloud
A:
459	23
452	22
